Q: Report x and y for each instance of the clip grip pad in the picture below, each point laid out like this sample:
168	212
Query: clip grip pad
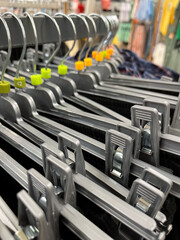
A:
114	141
66	142
145	197
29	213
141	115
61	174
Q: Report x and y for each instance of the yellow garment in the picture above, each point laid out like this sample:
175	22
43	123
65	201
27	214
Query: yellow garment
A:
168	14
174	6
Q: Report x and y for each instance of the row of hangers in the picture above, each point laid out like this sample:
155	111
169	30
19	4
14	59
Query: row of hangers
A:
89	154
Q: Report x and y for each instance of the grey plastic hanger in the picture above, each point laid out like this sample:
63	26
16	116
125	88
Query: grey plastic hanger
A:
88	144
59	34
9	48
36	41
132	95
23	37
5	233
31	218
88	34
80	137
94	35
37	185
35	180
68	88
79	86
52	103
82	140
10	110
35	154
74	32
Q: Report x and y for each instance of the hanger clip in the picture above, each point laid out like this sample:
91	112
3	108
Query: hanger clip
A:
147	119
119	149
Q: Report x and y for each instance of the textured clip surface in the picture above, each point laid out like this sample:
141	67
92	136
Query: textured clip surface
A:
20	82
36	80
46	73
108	56
99	57
104	54
94	54
119	149
62	69
79	65
4	87
110	51
88	62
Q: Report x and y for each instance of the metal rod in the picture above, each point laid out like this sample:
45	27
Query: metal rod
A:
9	48
75	35
24	40
35	38
88	31
58	32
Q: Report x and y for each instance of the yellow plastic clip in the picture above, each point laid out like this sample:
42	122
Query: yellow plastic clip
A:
104	54
94	54
36	80
4	87
20	82
46	73
99	57
62	69
79	65
88	62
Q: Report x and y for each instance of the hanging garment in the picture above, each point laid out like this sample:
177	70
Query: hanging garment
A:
172	53
139	39
125	12
124	32
135	66
145	11
168	15
135	8
159	54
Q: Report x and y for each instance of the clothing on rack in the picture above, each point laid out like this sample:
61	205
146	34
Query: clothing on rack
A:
139	40
168	15
124	32
134	66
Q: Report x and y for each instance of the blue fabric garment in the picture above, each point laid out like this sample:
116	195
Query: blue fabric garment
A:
145	11
134	66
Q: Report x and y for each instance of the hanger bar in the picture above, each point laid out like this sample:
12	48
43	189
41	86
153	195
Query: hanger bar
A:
45	30
123	80
100	25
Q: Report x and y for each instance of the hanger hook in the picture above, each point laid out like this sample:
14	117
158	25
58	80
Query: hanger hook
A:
107	33
59	35
9	47
24	40
111	31
95	30
74	31
87	27
26	14
114	24
107	27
